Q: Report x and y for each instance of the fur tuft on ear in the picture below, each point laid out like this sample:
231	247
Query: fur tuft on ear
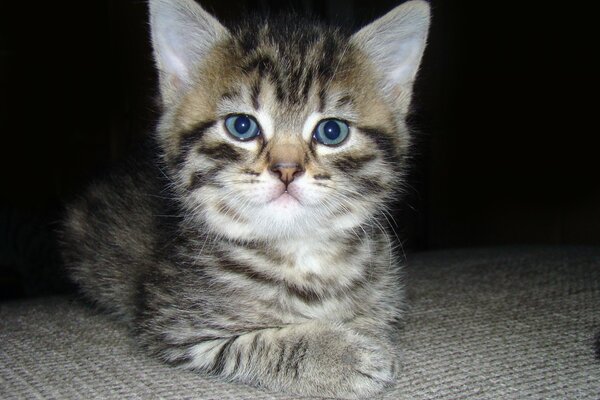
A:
182	35
395	44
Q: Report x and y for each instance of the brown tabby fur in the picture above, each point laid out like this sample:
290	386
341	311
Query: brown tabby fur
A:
190	242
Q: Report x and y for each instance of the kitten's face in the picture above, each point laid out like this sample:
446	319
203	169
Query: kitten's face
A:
284	134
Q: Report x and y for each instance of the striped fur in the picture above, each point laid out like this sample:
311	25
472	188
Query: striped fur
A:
219	264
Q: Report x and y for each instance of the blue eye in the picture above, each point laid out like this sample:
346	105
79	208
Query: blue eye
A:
331	132
242	127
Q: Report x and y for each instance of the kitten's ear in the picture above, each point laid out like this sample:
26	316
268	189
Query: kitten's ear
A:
182	35
395	44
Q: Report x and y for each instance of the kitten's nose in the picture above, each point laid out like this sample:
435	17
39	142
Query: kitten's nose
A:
287	171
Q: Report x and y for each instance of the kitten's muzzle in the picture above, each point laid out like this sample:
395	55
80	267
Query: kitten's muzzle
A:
287	171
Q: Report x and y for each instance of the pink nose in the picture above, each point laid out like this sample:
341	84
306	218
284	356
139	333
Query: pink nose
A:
287	171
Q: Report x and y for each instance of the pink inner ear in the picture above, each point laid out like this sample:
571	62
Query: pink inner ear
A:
405	60
173	56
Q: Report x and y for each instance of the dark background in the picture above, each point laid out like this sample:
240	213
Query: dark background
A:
504	112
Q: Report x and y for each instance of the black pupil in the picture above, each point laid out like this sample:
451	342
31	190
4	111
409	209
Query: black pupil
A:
242	125
332	130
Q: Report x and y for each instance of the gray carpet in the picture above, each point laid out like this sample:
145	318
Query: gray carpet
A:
501	323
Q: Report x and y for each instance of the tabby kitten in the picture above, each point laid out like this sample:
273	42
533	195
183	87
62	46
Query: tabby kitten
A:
246	240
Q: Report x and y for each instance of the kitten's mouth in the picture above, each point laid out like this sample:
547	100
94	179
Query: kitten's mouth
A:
285	199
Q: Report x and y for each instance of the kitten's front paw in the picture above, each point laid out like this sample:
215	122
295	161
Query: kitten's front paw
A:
345	364
371	360
368	367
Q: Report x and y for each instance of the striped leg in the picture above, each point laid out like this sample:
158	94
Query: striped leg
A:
314	358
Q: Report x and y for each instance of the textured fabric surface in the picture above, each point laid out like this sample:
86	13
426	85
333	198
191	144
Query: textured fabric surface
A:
502	323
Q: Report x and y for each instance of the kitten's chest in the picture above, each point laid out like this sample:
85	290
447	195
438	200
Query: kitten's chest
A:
321	265
316	281
272	284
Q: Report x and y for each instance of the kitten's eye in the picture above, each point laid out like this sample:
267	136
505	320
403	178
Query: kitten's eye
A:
242	127
331	132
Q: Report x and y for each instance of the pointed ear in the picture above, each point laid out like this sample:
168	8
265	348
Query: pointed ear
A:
182	36
395	44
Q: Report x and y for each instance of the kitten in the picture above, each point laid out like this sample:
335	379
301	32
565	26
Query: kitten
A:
246	239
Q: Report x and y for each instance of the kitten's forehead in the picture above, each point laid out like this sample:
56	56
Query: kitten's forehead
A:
295	55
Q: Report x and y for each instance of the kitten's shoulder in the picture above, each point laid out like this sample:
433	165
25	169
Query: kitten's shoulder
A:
110	233
116	214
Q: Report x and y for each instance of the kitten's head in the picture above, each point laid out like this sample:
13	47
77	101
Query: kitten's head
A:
285	128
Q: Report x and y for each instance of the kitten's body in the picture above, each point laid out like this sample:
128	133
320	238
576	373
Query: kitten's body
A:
263	260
